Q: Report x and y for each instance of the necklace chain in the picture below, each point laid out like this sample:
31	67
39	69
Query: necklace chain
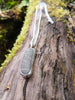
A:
40	6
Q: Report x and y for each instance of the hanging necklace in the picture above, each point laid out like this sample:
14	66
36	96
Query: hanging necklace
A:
29	54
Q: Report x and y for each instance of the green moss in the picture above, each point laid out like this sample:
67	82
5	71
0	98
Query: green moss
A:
74	61
70	35
57	8
65	21
21	37
74	85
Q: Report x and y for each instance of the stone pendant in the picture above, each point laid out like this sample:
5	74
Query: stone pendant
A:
27	62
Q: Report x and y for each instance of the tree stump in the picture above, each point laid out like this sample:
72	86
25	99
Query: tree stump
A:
52	77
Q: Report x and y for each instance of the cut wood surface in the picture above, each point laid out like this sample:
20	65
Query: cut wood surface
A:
52	77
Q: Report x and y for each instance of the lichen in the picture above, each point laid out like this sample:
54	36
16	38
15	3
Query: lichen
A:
17	45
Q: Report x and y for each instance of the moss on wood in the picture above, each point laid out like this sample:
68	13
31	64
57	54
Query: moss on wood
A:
56	8
22	35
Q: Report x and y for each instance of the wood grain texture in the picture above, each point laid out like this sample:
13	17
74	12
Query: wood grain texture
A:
52	77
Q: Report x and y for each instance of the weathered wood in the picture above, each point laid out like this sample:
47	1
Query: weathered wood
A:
52	77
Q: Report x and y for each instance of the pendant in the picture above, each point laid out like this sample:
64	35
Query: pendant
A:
27	62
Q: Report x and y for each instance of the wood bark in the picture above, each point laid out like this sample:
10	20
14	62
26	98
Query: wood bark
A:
52	77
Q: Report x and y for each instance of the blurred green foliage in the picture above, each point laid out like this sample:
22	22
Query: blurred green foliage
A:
8	4
24	3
